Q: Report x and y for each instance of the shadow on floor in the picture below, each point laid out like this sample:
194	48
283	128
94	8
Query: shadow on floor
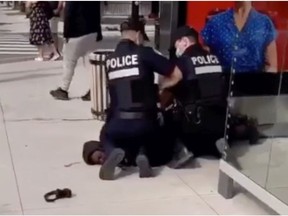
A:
30	71
28	77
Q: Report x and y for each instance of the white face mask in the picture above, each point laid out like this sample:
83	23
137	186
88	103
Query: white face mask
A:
179	52
181	46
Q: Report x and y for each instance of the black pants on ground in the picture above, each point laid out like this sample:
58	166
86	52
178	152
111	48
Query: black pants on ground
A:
158	146
199	142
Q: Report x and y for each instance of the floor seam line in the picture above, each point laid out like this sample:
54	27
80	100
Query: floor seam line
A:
197	194
11	159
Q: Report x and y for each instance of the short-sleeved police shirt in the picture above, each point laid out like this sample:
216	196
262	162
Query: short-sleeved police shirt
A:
151	61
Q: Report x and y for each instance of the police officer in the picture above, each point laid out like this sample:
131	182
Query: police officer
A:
133	109
200	107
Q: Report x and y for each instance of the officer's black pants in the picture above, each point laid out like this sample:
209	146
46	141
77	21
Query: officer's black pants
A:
200	143
151	140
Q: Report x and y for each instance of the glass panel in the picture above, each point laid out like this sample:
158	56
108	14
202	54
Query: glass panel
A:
251	122
277	180
254	87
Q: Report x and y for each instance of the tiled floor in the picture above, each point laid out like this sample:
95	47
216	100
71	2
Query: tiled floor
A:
45	135
267	164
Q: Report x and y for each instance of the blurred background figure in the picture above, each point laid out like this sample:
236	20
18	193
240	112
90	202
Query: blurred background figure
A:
247	41
39	13
57	7
82	31
154	10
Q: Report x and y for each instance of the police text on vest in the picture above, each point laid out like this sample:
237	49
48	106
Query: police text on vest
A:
209	59
121	62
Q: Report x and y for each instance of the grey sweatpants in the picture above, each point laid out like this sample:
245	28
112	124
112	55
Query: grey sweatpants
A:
72	51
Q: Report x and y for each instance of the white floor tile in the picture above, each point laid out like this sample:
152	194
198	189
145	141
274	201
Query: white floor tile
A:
180	206
40	156
11	213
241	204
202	180
34	80
9	200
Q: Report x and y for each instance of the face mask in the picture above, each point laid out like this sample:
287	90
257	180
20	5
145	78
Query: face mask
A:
178	52
180	48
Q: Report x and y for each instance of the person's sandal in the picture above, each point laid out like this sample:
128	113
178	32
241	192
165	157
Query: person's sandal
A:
58	194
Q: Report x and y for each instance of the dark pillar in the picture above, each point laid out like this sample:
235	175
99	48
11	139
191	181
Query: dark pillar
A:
135	10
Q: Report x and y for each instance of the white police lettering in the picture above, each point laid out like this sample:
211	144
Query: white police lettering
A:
209	59
121	62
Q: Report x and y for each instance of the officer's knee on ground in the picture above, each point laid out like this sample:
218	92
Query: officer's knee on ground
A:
161	149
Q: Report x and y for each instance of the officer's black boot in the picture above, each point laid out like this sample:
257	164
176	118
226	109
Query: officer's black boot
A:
145	170
181	158
108	168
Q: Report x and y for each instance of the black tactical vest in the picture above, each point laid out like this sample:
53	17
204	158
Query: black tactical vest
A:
201	94
131	84
203	80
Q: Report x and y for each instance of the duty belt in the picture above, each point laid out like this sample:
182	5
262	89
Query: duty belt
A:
136	115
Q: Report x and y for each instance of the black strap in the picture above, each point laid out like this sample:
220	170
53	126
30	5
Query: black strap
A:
59	194
136	115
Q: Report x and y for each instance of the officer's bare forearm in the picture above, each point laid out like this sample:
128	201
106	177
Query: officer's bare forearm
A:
172	80
167	83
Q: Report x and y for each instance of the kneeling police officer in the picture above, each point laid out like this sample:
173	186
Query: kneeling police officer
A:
133	108
200	98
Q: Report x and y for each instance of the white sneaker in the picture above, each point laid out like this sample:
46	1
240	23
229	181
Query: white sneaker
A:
39	59
55	57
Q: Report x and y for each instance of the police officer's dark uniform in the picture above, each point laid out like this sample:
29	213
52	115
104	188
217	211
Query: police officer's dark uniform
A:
200	98
133	109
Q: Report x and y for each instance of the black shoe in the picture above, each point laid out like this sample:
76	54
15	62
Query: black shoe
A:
59	94
99	36
145	171
181	158
86	97
108	168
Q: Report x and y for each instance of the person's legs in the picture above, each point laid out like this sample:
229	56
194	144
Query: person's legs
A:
73	50
55	54
40	56
54	30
